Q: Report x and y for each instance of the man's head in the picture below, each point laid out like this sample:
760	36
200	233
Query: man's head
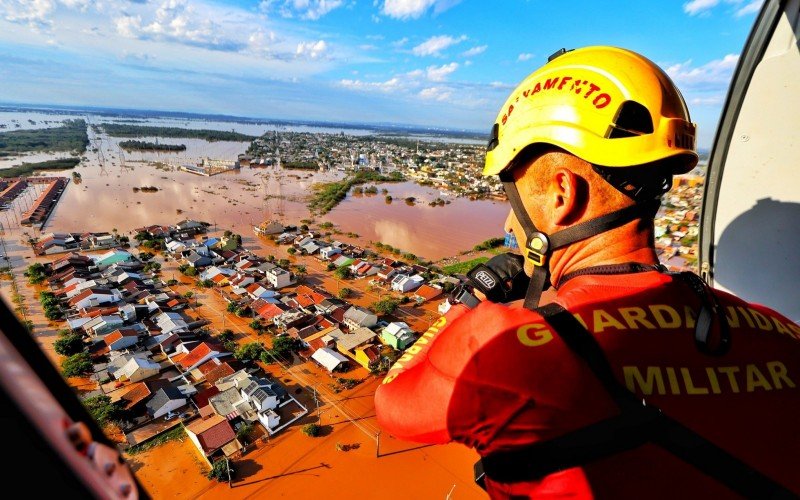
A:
586	144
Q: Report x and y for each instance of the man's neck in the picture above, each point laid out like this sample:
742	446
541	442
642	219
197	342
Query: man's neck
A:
624	244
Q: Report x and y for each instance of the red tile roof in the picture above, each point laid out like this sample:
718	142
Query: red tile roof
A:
118	334
196	355
217	373
202	397
269	311
135	395
212	433
428	292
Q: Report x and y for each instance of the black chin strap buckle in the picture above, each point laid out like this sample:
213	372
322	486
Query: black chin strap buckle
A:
536	248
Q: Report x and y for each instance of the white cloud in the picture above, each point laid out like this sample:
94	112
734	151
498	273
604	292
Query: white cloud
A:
311	50
440	73
435	45
400	43
525	56
715	73
413	9
750	8
34	13
695	7
304	9
387	86
435	93
474	51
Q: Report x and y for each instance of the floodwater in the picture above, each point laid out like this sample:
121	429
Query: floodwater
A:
104	199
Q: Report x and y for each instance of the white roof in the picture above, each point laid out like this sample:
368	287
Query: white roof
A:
328	358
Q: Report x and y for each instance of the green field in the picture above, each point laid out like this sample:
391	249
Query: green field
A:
463	267
29	168
123	130
69	137
328	194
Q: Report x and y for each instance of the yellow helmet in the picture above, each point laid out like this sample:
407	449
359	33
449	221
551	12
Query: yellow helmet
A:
606	105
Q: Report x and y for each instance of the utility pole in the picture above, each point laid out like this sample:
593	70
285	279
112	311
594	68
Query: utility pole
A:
316	400
378	445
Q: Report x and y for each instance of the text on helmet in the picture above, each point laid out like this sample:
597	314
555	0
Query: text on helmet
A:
584	88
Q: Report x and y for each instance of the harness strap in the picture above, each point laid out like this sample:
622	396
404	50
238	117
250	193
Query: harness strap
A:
637	424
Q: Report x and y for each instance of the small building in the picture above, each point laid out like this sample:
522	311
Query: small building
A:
213	437
165	400
136	369
112	257
356	317
279	278
329	359
121	339
397	335
403	283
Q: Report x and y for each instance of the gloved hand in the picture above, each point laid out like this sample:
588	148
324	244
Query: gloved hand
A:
501	279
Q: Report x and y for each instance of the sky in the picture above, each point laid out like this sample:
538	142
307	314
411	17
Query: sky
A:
434	63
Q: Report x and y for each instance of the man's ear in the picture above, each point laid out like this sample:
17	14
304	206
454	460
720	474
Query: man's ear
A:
568	197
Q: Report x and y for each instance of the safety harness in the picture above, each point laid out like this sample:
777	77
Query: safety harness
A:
539	246
638	422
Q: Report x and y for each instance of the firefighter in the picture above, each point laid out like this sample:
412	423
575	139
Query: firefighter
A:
631	382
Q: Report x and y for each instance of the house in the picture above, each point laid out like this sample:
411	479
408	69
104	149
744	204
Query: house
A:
426	293
102	324
404	283
398	335
165	400
214	369
267	228
342	261
199	355
170	322
213	271
136	369
329	358
269	311
328	252
386	272
112	257
349	344
196	259
213	437
121	339
279	278
356	317
191	227
94	296
260	291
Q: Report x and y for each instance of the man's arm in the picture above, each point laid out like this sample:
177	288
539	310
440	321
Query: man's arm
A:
412	401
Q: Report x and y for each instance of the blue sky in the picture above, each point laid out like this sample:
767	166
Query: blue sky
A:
437	63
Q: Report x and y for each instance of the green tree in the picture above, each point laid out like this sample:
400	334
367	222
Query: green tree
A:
35	273
291	251
311	430
77	365
219	470
69	344
249	352
244	432
232	307
345	293
343	273
385	306
102	409
284	263
331	266
226	335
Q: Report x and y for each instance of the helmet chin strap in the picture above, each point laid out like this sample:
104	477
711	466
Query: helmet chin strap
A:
539	246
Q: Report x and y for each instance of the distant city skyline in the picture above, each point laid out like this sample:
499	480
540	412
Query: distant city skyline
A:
428	63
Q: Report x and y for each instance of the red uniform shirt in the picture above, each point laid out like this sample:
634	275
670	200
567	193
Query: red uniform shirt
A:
498	378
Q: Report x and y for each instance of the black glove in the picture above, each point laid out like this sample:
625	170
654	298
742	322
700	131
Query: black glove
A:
502	278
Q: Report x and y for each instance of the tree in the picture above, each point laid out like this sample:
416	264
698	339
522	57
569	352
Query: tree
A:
311	430
291	250
282	347
232	307
146	256
256	325
188	294
69	344
342	273
385	306
331	266
226	335
284	263
35	273
102	409
249	352
345	293
219	470
77	365
243	433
